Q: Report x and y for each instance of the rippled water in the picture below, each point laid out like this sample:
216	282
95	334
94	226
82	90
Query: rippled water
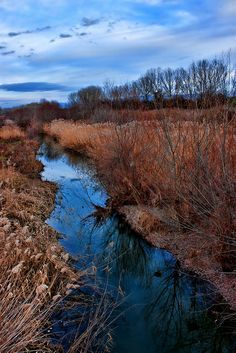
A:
163	310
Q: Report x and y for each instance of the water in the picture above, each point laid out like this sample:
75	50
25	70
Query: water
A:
163	310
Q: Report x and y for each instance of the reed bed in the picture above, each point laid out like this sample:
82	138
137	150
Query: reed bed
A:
182	173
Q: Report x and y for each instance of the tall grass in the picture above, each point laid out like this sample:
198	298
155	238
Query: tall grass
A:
184	167
33	268
35	272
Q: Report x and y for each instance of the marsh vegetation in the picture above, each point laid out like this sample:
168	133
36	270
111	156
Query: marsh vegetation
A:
164	151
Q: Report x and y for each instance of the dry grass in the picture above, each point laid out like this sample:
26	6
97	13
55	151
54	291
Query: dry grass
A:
185	168
77	136
35	272
11	133
174	115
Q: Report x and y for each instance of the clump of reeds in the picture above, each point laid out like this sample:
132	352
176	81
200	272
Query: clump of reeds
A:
11	133
75	135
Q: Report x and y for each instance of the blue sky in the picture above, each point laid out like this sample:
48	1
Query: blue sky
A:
50	48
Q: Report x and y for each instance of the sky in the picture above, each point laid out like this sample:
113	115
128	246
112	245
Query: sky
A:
49	48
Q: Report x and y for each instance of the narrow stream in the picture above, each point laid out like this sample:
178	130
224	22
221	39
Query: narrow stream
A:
163	310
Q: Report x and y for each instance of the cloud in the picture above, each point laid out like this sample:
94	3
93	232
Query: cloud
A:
11	6
82	34
62	35
8	52
87	22
229	7
15	34
2	47
33	87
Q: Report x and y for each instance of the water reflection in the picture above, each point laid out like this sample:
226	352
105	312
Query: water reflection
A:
164	310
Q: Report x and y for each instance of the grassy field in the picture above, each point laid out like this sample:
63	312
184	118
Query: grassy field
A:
174	178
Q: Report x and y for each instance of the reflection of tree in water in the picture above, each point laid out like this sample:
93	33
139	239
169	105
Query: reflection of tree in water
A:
50	149
177	304
124	252
178	316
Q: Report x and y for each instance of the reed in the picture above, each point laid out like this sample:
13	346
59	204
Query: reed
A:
184	167
35	272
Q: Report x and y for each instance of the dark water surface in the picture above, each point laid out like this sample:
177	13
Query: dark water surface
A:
164	310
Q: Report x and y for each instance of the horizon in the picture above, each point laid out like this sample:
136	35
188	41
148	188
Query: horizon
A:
48	51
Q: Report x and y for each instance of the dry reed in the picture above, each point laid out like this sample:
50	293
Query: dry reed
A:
11	133
182	168
35	272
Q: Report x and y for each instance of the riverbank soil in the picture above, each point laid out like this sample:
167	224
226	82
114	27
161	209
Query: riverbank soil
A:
34	270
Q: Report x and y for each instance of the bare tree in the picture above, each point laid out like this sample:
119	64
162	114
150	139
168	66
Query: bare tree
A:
90	95
168	82
73	99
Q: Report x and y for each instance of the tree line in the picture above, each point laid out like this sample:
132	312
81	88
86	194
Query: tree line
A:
205	82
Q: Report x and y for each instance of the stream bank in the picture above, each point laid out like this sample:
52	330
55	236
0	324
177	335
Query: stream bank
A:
38	282
163	308
199	238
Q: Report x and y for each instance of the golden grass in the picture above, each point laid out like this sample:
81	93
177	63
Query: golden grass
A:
11	133
156	158
186	167
35	272
77	136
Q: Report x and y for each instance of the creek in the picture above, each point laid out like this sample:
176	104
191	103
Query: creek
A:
162	309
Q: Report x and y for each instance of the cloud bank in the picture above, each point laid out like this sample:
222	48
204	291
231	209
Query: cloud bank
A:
32	87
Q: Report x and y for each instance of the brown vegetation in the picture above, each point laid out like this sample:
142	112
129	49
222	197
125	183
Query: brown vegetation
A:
11	133
181	172
35	272
171	172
